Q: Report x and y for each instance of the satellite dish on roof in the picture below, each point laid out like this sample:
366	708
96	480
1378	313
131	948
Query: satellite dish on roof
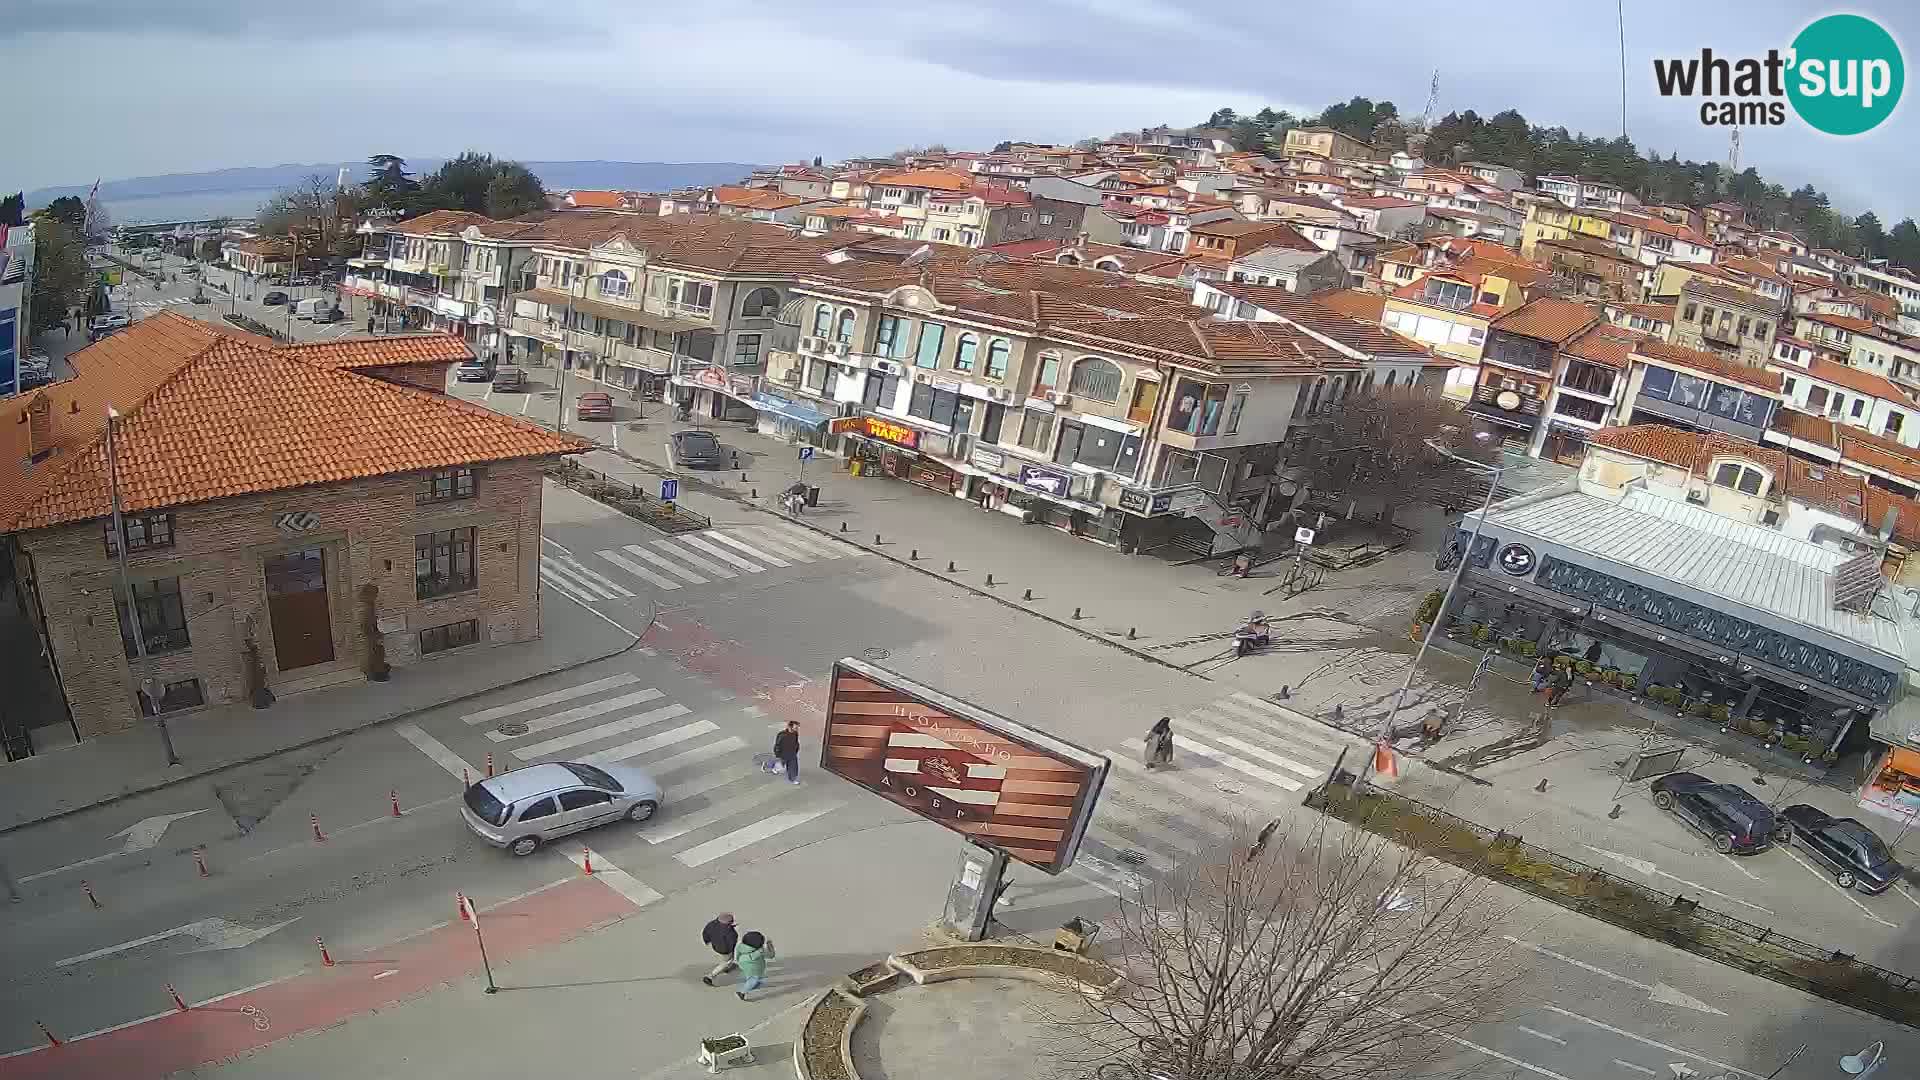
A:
920	256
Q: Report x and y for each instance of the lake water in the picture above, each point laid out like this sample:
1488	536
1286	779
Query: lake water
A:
241	203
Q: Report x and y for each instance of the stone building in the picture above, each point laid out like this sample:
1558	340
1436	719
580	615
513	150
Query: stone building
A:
281	506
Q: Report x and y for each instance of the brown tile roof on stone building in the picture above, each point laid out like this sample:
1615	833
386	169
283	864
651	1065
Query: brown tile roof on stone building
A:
1707	291
352	354
1685	449
208	415
1309	311
1606	345
1807	428
1883	454
1548	319
1858	380
935	179
1355	303
439	222
1230	347
1707	363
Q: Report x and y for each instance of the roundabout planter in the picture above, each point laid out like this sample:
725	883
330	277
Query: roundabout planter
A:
824	1050
1051	966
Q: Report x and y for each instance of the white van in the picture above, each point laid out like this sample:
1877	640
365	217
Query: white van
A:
319	309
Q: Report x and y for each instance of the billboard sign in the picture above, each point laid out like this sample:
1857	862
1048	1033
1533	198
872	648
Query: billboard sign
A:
995	781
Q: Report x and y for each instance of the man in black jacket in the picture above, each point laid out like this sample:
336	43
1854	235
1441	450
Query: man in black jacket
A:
786	747
720	936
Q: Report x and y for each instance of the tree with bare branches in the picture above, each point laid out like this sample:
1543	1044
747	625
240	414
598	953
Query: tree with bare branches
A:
1374	449
1321	954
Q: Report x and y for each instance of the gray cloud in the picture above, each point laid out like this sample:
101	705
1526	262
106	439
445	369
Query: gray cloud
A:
215	82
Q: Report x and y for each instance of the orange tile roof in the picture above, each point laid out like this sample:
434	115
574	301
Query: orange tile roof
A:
1856	379
1685	449
353	354
1548	319
602	200
1847	323
1806	427
936	179
1247	347
1606	345
1707	363
440	221
211	415
1365	306
1363	335
1878	453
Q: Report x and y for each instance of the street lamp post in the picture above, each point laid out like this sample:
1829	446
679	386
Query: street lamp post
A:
1459	569
146	689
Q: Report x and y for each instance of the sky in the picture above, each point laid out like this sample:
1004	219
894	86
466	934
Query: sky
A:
142	87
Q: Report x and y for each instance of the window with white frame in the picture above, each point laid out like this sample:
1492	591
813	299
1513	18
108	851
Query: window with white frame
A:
746	350
615	284
997	359
963	352
1096	378
822	320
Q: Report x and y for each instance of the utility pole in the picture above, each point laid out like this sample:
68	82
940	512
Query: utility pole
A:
126	583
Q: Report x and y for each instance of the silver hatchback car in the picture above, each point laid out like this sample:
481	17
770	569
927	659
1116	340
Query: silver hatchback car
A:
522	809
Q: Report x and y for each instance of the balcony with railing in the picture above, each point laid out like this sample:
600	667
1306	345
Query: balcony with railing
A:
1590	380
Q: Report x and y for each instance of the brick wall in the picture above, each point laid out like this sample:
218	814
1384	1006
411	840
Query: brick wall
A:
367	530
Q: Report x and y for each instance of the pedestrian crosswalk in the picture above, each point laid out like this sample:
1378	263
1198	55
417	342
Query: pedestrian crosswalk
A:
1238	762
686	561
156	305
717	801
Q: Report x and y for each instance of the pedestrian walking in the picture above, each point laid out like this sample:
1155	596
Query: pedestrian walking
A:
1542	673
986	496
1561	684
720	936
751	957
786	750
1159	750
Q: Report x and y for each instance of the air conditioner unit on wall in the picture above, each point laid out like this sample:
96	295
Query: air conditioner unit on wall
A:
1059	399
999	393
1697	495
809	344
888	367
838	348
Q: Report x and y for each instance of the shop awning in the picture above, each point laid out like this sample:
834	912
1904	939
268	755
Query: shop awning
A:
790	410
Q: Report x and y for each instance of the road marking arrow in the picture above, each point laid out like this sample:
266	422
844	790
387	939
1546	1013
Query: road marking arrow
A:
140	836
217	934
1659	993
1680	1070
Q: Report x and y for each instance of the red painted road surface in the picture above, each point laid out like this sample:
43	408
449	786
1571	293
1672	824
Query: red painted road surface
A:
322	997
728	664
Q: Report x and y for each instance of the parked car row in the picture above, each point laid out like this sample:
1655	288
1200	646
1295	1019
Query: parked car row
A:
1738	824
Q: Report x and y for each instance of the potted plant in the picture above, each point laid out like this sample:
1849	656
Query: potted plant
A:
256	675
376	642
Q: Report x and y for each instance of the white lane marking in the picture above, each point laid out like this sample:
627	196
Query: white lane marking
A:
596	612
1660	993
748	549
668	565
1246	747
805	540
666	766
613	877
436	751
556	571
1540	1034
719	778
609	683
1191	789
650	743
556	545
1650	1042
691	560
1635	1068
1115	815
1905	893
1647	867
215	935
526	403
795	674
600	731
1107	877
1231	761
677	827
1835	886
778	545
720	553
384	974
1327	741
575	567
582	712
616	437
1751	876
570	591
701	854
637	570
138	836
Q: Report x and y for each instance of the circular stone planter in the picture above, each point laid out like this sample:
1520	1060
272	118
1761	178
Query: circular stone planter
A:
824	1050
1053	966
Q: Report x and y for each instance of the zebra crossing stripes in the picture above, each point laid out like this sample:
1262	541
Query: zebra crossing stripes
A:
554	698
722	554
675	826
752	552
765	828
569	578
650	743
694	561
666	767
601	731
638	571
580	712
668	565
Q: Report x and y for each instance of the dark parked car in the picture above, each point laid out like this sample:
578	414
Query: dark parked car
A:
697	449
478	370
593	406
1857	858
1726	814
273	298
510	378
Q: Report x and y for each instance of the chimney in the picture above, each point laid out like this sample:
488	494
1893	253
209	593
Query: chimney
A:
39	427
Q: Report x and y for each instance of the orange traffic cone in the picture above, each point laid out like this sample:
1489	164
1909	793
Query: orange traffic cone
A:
1385	764
586	859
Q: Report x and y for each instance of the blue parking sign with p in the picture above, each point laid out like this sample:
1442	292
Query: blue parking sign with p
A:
669	488
806	453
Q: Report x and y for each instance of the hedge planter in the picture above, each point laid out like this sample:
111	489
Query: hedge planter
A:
824	1050
1050	966
870	978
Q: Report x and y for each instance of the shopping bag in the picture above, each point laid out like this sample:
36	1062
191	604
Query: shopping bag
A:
767	763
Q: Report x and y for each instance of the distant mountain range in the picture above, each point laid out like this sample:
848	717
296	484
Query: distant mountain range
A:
556	175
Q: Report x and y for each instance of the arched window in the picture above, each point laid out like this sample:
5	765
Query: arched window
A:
1338	391
963	352
1096	378
1391	375
843	330
614	283
997	359
760	304
822	319
1319	387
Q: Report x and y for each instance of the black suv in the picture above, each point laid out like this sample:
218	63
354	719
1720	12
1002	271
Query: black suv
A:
1728	815
1856	857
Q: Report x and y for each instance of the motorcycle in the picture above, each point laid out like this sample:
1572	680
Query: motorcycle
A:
1252	636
